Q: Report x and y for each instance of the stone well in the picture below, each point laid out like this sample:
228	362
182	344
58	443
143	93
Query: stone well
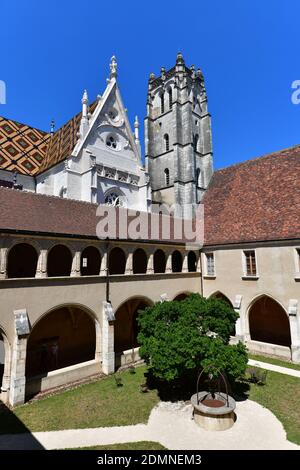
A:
213	413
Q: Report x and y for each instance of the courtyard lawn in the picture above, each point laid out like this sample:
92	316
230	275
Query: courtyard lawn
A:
141	445
97	404
276	362
281	395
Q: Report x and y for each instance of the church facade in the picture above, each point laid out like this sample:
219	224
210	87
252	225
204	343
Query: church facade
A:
69	300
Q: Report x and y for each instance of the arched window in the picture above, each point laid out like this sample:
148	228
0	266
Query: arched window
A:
22	261
90	261
159	261
162	103
176	262
170	98
167	176
167	142
117	261
59	261
195	142
192	262
139	261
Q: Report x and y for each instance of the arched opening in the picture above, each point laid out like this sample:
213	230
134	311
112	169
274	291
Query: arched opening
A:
2	359
181	296
162	103
199	178
64	337
90	261
167	142
117	261
22	261
192	262
159	261
167	176
220	296
195	142
268	322
59	261
126	325
170	98
139	262
176	262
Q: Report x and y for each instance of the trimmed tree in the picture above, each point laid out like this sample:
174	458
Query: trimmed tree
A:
180	337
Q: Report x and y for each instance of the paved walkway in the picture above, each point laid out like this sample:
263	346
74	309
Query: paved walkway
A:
172	425
282	370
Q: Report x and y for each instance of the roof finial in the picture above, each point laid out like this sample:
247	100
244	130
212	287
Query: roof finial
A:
84	123
113	67
52	126
136	128
179	58
84	102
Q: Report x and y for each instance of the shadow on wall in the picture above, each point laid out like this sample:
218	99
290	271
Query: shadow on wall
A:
11	424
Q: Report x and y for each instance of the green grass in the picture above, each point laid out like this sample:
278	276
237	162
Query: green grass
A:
141	445
97	404
276	362
281	395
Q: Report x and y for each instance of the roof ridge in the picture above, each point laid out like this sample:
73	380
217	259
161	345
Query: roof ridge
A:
32	193
23	124
260	157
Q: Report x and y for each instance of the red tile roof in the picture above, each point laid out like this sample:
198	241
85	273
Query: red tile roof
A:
255	200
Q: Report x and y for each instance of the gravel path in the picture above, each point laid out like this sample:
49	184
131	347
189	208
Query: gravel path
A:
170	424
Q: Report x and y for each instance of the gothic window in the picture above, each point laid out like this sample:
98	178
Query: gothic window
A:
167	142
111	142
114	199
162	103
167	176
170	98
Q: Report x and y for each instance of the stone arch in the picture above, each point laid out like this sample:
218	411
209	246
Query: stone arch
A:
269	321
116	261
182	295
176	262
192	262
159	261
139	261
22	260
59	261
90	261
126	326
63	336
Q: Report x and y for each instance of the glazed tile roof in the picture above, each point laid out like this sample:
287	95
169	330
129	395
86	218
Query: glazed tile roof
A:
22	148
255	200
31	151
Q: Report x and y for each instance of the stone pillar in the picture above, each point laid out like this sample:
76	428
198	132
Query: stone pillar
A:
108	353
129	263
5	386
104	265
295	329
3	263
41	269
18	360
75	271
98	352
185	266
169	263
239	334
150	264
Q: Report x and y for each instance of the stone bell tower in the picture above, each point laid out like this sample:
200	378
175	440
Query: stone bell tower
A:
178	135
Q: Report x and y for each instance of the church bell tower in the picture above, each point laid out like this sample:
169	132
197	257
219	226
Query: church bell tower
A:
178	135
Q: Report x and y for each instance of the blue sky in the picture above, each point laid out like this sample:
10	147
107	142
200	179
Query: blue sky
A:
248	51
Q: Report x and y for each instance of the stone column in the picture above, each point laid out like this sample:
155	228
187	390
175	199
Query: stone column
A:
108	353
239	334
295	329
150	264
5	386
104	265
185	266
18	360
75	271
3	263
41	269
169	263
18	363
129	263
